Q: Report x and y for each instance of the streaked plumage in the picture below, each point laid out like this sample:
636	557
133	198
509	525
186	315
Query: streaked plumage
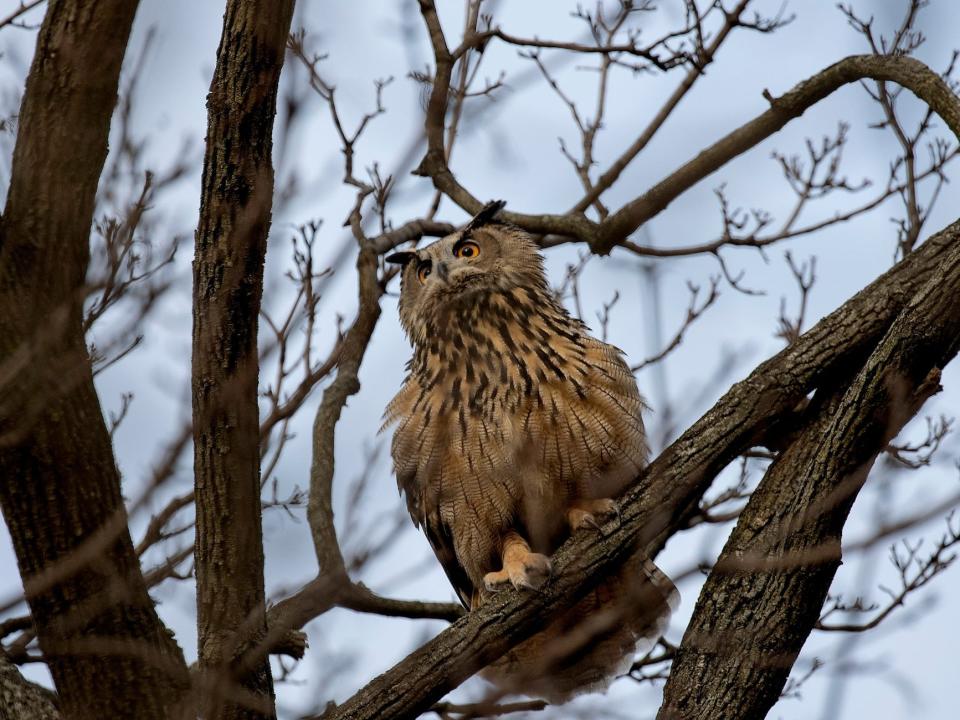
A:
510	415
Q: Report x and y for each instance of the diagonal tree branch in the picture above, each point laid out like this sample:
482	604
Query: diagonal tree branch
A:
905	71
610	176
603	236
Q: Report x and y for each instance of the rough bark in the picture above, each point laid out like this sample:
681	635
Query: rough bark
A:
236	198
109	654
20	699
768	587
664	495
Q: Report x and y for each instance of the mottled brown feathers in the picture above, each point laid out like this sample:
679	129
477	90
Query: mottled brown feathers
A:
511	412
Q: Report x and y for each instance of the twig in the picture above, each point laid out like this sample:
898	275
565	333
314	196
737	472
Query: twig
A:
693	312
23	8
906	560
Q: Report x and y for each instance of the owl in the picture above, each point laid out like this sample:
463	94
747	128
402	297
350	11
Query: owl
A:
514	428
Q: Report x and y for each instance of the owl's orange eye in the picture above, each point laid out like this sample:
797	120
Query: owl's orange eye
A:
467	250
423	271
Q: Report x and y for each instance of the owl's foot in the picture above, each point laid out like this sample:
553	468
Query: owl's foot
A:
521	567
529	573
591	513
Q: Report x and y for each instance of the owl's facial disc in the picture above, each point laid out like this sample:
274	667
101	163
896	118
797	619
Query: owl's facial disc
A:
458	266
459	269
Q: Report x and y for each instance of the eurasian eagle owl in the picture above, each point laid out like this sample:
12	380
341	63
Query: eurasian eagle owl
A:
514	428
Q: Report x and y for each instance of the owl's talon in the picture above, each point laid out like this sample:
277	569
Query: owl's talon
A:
529	571
579	519
585	514
494	582
536	571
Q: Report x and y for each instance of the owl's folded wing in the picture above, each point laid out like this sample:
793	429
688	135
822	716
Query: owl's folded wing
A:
442	543
438	535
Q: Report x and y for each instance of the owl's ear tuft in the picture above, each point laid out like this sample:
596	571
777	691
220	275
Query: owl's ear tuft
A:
401	258
487	213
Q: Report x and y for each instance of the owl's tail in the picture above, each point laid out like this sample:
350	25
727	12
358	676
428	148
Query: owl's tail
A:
594	642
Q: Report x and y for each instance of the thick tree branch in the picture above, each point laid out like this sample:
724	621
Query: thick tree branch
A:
662	498
59	484
765	592
231	241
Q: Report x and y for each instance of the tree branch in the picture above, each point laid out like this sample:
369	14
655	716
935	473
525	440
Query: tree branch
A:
608	178
22	699
615	229
906	71
24	7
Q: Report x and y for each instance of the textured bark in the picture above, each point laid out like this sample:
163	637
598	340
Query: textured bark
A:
768	587
664	495
59	486
237	190
20	699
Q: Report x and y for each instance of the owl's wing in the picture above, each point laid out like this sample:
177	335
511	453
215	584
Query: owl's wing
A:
413	461
441	541
438	535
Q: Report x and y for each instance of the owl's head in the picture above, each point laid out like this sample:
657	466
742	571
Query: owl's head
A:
484	256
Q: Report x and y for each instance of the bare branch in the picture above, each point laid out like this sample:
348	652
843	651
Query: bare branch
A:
922	452
915	572
23	8
905	71
805	276
693	312
453	711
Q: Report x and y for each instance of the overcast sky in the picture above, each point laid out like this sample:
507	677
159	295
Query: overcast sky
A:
509	149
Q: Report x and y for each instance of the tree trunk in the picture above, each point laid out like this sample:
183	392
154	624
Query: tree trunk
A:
109	654
237	192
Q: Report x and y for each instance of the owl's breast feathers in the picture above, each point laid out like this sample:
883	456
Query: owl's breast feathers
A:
509	403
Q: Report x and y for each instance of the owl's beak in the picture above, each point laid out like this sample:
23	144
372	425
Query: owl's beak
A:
443	272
